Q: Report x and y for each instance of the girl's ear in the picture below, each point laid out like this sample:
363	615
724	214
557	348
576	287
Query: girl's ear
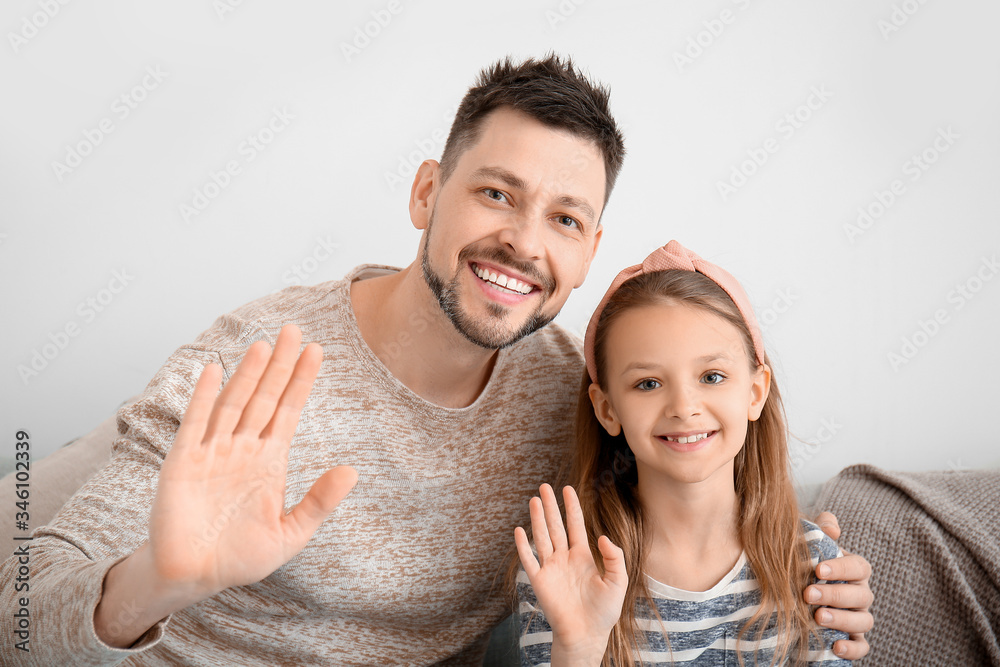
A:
759	389
603	410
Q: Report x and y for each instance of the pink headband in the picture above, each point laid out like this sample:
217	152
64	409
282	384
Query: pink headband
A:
675	256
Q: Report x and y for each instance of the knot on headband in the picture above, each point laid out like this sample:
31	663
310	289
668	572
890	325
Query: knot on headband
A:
674	256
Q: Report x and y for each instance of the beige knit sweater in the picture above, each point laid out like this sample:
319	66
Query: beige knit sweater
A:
407	570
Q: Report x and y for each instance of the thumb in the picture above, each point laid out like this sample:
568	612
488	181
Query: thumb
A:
614	563
322	498
828	524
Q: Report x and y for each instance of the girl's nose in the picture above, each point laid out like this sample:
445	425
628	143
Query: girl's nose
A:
682	403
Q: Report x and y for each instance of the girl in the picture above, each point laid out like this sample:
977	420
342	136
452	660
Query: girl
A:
684	491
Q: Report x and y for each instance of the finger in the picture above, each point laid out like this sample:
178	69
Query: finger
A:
322	498
553	518
234	396
841	596
528	560
855	649
539	531
286	416
851	622
851	568
575	524
614	562
828	524
272	384
195	420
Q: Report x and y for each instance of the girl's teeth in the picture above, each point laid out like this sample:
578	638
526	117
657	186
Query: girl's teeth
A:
689	439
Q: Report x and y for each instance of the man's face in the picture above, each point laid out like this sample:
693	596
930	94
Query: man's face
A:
514	228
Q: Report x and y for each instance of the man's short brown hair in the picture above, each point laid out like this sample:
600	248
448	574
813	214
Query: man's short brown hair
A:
553	92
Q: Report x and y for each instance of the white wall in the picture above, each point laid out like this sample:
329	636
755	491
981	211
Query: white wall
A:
837	305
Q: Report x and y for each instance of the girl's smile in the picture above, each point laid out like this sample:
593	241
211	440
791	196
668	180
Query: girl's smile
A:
688	442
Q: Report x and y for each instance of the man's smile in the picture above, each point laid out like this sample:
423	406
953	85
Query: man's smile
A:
503	279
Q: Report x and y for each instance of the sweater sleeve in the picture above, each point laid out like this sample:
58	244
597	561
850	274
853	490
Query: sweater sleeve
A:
104	522
822	547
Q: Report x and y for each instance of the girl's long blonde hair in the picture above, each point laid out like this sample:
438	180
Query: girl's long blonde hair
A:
604	475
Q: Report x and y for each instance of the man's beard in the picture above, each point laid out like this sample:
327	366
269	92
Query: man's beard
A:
490	332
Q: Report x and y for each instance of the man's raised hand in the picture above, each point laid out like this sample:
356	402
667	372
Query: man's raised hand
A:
218	519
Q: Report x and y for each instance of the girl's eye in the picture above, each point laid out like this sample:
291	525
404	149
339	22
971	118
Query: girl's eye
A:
647	385
495	195
713	378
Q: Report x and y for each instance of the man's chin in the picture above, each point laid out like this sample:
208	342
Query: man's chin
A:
498	337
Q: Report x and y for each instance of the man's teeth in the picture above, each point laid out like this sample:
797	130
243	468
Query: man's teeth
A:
689	439
502	280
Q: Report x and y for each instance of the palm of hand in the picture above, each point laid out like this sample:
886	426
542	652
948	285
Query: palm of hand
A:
218	519
580	603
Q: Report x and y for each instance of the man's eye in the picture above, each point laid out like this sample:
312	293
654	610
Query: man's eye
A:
567	221
647	385
495	195
713	378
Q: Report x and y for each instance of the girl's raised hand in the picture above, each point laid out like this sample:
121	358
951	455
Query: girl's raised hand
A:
580	605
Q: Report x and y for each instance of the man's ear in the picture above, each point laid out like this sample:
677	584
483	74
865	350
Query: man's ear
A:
585	269
426	183
603	410
759	390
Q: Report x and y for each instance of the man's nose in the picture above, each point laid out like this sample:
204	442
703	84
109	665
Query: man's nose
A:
522	235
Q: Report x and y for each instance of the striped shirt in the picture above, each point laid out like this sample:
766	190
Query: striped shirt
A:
702	627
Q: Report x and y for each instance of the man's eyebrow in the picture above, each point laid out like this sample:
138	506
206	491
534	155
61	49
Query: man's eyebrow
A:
576	202
500	174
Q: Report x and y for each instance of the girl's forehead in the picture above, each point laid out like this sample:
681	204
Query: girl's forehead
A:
674	330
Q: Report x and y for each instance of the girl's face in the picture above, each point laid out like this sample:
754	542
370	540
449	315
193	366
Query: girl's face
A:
680	386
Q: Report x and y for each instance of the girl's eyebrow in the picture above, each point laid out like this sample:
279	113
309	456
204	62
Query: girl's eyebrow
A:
717	356
652	366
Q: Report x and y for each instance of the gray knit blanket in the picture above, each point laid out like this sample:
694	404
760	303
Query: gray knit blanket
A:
933	540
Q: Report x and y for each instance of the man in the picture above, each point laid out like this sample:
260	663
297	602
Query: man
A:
430	388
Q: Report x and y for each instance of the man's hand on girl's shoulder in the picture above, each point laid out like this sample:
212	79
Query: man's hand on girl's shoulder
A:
845	606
